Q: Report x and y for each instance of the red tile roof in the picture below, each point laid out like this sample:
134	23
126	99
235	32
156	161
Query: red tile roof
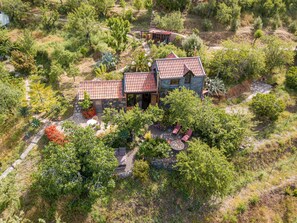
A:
101	89
172	55
175	67
140	82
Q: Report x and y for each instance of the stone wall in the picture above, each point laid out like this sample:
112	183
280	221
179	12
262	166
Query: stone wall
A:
167	164
195	85
114	103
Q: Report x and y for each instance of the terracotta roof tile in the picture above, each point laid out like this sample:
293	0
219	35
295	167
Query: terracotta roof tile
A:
101	89
172	55
175	67
140	82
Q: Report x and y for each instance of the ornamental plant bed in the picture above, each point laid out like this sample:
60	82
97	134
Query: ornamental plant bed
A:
89	113
88	109
54	135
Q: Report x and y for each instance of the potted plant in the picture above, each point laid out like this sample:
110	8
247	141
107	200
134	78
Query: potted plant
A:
88	109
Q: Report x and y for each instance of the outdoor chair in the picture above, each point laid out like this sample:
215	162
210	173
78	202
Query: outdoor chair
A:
187	136
176	129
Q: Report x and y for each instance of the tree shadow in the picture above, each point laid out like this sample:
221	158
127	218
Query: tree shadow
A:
67	208
263	129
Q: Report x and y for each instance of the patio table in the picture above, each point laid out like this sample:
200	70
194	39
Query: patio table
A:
177	145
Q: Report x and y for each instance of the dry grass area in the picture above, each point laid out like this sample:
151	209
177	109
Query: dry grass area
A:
11	143
274	206
219	33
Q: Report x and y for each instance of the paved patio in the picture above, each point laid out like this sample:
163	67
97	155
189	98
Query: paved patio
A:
174	140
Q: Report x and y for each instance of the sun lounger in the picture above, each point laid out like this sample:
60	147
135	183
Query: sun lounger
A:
176	129
187	136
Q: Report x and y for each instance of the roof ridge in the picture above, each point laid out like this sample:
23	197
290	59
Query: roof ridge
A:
148	72
179	58
93	81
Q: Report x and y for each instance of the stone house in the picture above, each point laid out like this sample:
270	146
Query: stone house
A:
145	88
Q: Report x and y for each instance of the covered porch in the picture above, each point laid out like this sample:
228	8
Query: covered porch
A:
140	89
143	100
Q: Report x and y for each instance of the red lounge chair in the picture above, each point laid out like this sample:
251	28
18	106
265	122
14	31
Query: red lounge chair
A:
187	136
176	129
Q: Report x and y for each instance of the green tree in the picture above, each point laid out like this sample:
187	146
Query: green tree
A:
102	6
119	30
49	18
27	44
172	21
162	51
219	129
16	9
141	170
138	4
23	63
192	45
183	104
9	100
205	171
81	23
42	98
257	35
82	168
5	43
237	62
291	78
267	107
97	162
278	53
56	71
58	171
72	71
173	5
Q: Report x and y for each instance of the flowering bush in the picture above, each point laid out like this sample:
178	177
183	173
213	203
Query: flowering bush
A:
54	135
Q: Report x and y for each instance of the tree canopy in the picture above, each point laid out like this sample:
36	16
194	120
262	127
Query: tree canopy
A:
205	171
82	167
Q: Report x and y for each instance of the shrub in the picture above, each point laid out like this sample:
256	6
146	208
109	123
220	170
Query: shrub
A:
207	25
291	78
141	170
201	9
86	103
163	51
54	135
267	107
192	44
172	21
154	148
258	24
173	5
293	27
241	208
254	200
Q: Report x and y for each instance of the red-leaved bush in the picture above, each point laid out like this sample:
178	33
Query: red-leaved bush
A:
54	135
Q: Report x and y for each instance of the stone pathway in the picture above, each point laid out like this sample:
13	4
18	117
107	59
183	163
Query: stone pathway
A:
23	156
256	87
259	87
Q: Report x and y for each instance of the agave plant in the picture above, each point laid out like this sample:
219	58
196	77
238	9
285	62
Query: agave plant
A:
216	86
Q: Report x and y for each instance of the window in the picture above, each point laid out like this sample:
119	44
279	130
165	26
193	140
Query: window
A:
188	79
174	82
